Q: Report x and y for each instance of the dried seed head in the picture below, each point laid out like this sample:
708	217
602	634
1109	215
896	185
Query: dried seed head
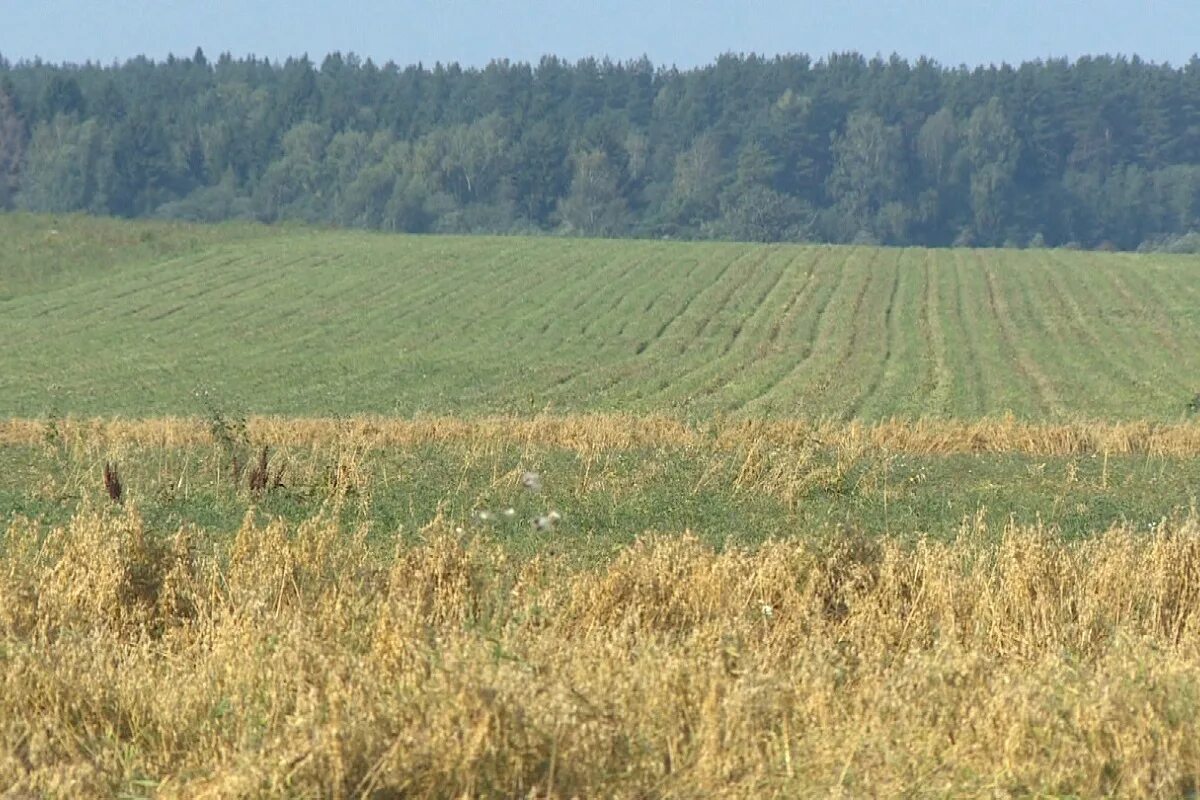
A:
112	482
531	481
260	473
545	522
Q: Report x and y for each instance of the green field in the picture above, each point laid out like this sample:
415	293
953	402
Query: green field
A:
103	317
812	553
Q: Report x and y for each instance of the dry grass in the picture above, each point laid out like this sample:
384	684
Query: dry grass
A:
299	663
616	431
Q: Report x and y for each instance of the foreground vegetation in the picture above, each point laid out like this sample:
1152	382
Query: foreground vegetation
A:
154	319
298	661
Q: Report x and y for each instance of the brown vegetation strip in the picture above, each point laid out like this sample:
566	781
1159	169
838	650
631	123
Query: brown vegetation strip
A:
302	663
620	431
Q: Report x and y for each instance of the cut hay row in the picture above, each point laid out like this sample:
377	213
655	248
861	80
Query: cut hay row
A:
585	432
299	662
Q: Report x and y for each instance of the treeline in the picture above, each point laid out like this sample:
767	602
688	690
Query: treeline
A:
1101	152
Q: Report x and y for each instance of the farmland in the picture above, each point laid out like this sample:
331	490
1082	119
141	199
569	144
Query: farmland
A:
826	520
301	322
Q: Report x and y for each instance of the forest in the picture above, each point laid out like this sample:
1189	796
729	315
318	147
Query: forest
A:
1101	152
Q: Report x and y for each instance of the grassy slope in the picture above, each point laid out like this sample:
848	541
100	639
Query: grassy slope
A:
133	318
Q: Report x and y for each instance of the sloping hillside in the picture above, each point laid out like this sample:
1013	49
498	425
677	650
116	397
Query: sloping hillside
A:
137	319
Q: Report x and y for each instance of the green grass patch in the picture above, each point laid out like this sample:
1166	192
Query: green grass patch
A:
605	498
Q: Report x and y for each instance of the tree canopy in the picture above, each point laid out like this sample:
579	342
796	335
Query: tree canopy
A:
1099	152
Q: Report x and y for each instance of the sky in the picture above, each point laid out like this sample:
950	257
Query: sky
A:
670	32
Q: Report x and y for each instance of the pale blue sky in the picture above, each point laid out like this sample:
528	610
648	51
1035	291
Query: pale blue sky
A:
473	32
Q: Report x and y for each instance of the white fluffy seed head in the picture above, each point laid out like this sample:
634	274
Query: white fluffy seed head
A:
545	522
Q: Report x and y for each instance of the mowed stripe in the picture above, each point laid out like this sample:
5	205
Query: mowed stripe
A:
792	340
1089	361
897	382
757	342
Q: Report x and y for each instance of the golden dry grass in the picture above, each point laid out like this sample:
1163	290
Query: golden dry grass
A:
617	431
299	662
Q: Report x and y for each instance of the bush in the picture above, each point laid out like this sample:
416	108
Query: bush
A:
1186	243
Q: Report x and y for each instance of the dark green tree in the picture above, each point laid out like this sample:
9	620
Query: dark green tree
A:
867	175
12	147
62	166
594	206
992	150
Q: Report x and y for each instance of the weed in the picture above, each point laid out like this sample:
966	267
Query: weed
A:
260	478
112	483
259	473
228	431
